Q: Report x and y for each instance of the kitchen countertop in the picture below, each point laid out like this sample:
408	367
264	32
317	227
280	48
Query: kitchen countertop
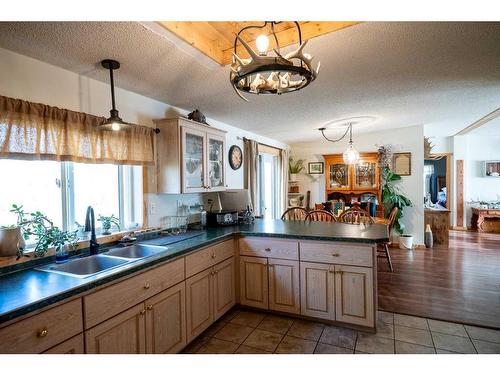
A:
28	290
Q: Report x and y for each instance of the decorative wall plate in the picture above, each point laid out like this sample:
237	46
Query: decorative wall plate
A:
235	157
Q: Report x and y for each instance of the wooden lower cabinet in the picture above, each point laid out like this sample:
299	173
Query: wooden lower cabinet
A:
73	345
284	288
166	321
354	296
209	295
254	282
317	285
223	286
122	334
199	300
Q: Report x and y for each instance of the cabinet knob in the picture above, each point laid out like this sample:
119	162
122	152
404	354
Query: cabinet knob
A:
147	286
340	272
267	249
213	256
216	272
335	255
149	307
142	312
43	332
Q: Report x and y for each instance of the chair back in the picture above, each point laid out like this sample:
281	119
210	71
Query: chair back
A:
320	215
356	215
392	218
294	214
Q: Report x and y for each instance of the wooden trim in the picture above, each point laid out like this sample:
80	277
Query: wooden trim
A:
483	120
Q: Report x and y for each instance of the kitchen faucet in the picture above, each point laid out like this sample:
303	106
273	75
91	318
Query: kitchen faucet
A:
90	227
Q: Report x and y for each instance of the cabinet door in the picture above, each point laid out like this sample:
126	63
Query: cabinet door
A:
254	282
366	175
216	174
354	295
317	283
72	346
338	175
199	303
284	289
224	284
193	160
166	321
123	334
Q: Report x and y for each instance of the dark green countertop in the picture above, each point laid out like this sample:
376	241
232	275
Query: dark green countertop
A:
28	290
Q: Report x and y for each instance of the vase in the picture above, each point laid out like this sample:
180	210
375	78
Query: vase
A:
106	229
428	237
62	255
11	240
293	177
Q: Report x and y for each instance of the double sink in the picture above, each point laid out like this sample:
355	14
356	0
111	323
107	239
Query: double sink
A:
96	264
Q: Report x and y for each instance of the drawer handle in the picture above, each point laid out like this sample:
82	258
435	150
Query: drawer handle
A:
267	249
149	307
335	255
147	286
42	333
213	256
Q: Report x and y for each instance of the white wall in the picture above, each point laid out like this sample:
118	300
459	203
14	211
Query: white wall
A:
410	139
29	79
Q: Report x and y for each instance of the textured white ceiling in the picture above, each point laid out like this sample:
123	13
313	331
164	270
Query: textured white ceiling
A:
442	75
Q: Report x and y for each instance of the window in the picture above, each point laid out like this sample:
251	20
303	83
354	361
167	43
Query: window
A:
63	191
269	182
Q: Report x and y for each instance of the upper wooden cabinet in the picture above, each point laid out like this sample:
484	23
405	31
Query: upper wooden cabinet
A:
361	177
191	157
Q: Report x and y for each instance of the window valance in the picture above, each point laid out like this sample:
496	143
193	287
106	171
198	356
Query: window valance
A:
34	131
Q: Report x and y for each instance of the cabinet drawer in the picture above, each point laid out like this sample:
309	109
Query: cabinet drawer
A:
42	331
114	299
208	257
271	248
325	252
70	346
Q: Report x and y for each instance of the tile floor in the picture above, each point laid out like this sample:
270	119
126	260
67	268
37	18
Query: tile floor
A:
244	331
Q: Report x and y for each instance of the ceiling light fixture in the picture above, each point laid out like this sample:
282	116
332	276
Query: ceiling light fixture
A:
266	73
114	122
351	155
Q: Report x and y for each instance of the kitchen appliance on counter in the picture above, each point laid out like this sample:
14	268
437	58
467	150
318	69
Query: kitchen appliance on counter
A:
222	218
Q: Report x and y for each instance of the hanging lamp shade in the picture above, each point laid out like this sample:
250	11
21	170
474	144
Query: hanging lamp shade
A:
114	121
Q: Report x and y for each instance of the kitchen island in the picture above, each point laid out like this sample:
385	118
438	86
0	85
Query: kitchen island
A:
319	270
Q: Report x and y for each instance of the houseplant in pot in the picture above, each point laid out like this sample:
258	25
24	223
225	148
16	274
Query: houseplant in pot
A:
47	234
294	168
107	222
11	240
393	196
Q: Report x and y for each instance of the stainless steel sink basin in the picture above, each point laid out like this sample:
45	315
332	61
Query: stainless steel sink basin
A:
136	251
84	267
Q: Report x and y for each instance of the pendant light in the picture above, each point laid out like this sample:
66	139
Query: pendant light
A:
114	122
351	155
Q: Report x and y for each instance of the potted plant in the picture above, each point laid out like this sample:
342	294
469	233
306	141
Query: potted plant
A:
47	234
107	222
11	240
294	168
392	196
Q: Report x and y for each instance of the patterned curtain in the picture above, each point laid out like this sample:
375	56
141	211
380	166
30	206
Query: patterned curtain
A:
33	131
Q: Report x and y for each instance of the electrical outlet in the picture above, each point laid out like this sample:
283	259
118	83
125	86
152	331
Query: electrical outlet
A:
152	208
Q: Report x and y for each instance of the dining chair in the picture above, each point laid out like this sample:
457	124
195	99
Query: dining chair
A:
320	215
355	215
294	214
384	252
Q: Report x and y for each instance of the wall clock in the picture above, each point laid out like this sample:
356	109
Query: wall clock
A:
235	157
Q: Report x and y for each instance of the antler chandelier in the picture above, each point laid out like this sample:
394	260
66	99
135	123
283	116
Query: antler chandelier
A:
270	73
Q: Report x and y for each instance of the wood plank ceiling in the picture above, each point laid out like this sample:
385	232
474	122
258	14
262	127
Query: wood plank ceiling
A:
216	39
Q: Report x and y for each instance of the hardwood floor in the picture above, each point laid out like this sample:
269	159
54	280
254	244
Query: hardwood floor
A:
460	284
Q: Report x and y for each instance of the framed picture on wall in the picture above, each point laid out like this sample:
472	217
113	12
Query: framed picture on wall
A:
402	163
316	167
